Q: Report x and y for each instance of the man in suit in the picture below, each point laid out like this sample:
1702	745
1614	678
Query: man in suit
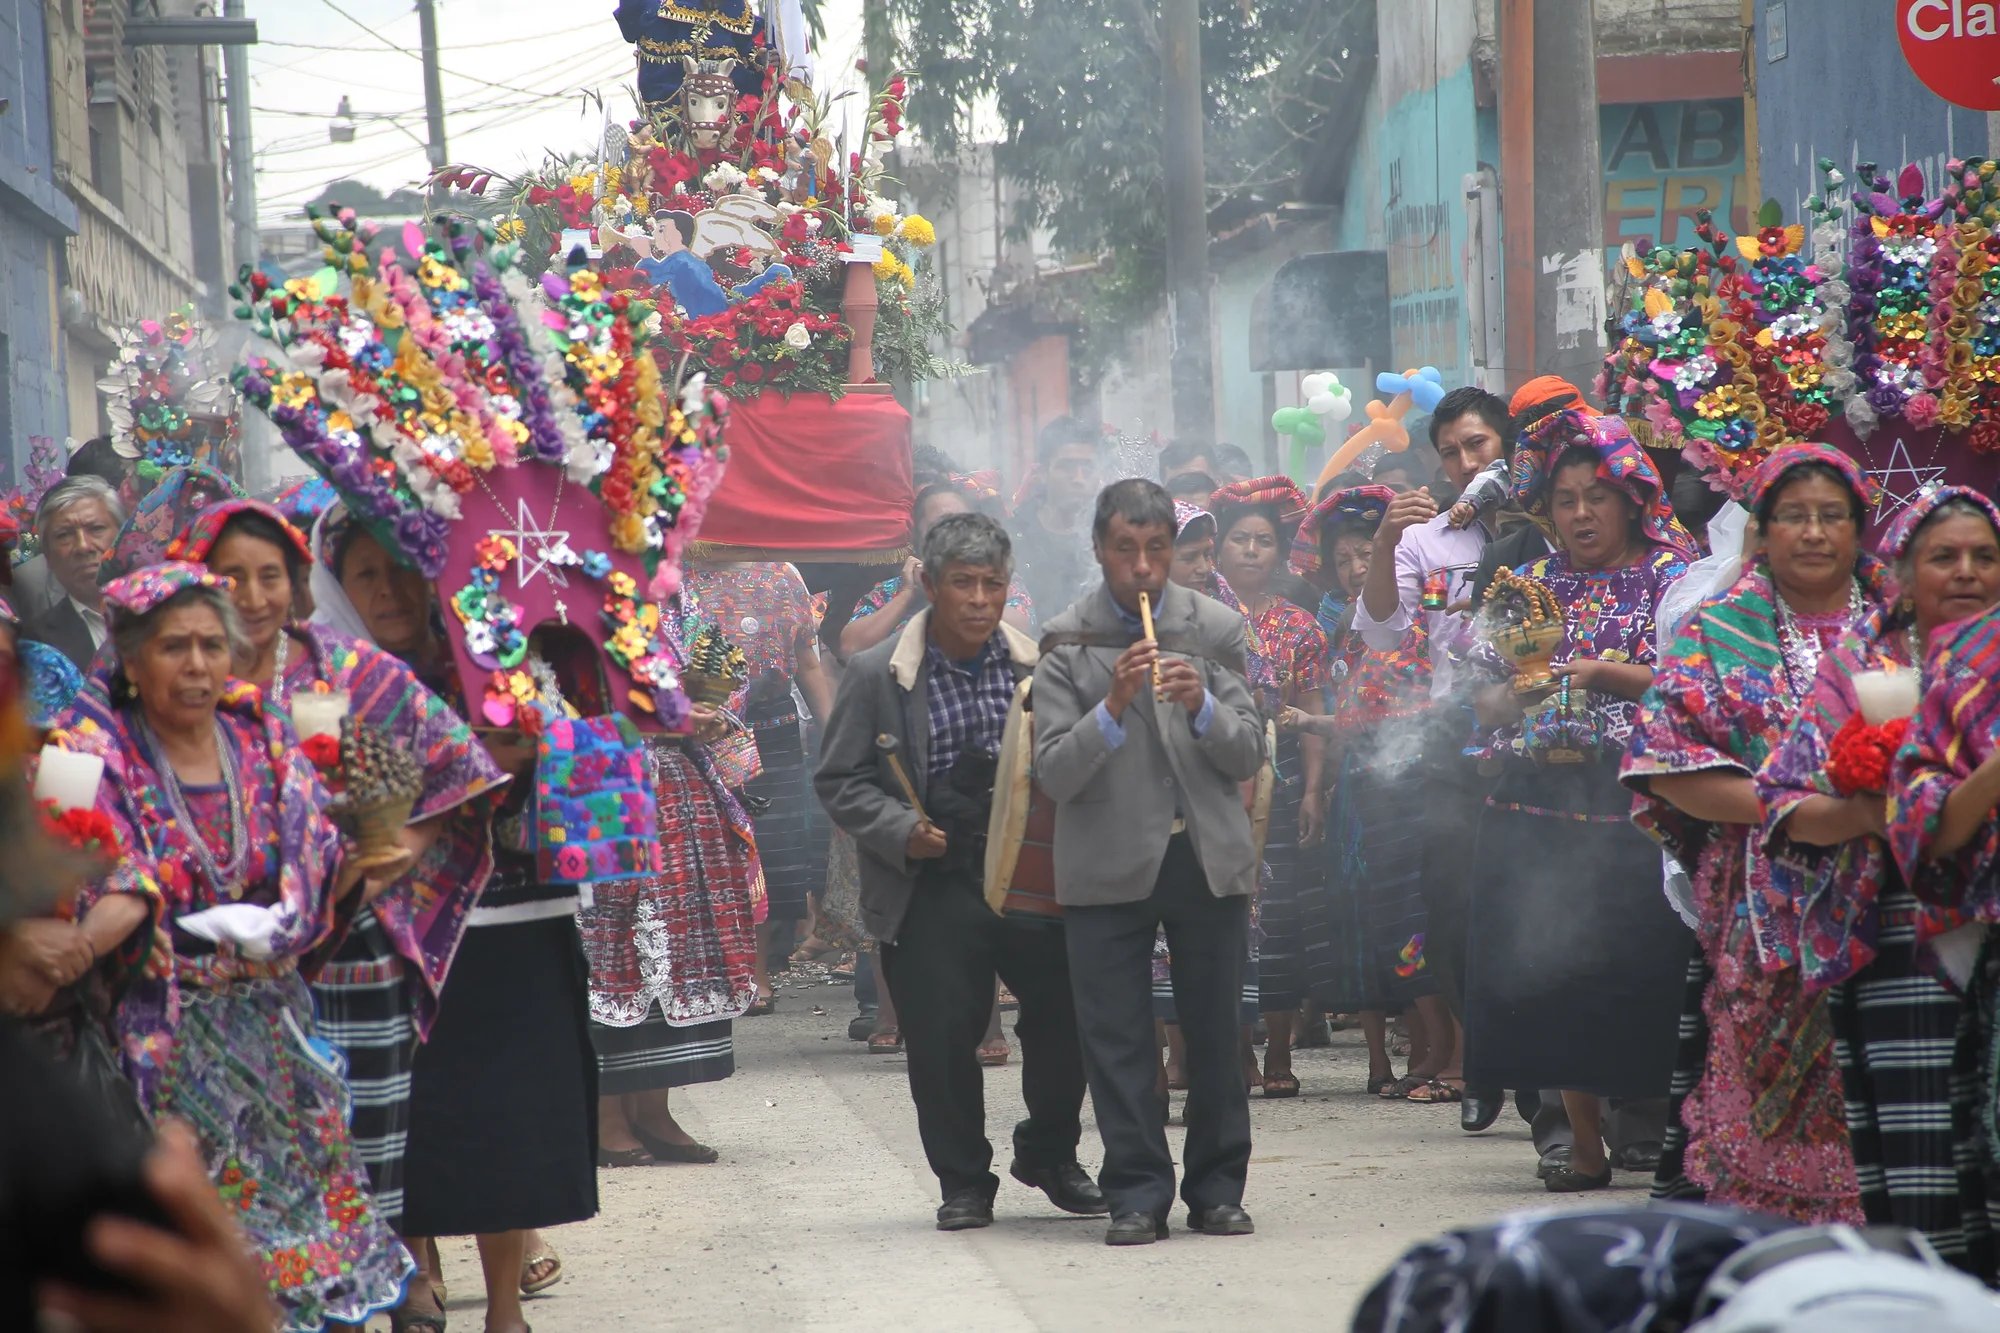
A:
78	522
1151	831
942	688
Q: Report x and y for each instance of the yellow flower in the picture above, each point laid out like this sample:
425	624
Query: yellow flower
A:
583	184
886	266
509	229
622	583
885	224
612	177
294	390
917	230
628	533
339	421
477	453
641	205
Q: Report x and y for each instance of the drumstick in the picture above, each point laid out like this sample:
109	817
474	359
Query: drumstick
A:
886	743
1146	621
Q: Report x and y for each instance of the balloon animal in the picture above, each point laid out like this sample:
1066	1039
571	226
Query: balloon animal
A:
1422	389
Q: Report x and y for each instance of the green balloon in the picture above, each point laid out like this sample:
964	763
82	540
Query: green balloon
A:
1309	432
1287	419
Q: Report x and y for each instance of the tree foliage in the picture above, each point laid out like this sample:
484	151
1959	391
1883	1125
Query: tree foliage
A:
1078	87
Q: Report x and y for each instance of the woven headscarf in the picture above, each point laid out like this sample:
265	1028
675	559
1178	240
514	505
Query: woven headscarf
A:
1773	469
1280	491
136	594
167	509
1894	543
1186	514
1362	506
1548	389
198	538
304	499
1621	462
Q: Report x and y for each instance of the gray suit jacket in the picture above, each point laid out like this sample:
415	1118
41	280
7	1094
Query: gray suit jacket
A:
1115	807
887	690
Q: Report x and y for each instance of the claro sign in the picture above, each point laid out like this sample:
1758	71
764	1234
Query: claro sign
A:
1953	46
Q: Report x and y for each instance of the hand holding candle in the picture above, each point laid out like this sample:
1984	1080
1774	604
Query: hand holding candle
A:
68	779
1887	695
318	713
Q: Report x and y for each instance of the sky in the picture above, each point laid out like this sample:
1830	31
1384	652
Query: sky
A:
515	75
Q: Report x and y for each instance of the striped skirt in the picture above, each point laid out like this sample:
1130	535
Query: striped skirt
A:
653	1055
365	1011
1910	1052
781	799
1690	1060
1291	891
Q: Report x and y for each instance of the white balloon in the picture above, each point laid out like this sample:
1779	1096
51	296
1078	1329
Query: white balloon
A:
1337	406
1313	385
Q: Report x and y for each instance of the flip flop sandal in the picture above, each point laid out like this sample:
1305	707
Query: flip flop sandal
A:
531	1284
1436	1092
1401	1088
1378	1083
1284	1085
885	1043
762	1005
999	1053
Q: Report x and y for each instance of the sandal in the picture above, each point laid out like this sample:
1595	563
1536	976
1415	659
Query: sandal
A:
617	1157
402	1320
1281	1085
1435	1091
550	1265
993	1054
763	1004
812	950
1401	1088
1380	1082
886	1042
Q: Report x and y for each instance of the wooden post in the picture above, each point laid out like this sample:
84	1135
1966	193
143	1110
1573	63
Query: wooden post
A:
1517	183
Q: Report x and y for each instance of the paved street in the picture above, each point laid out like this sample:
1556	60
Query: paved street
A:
819	1214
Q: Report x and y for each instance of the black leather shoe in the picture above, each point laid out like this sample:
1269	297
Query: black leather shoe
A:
1225	1219
1135	1229
1478	1110
1554	1160
1567	1179
1639	1157
1068	1186
965	1211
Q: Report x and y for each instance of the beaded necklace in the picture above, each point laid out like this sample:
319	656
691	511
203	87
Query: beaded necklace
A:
1800	651
222	877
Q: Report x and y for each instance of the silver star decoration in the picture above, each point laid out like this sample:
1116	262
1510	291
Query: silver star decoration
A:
1902	481
537	548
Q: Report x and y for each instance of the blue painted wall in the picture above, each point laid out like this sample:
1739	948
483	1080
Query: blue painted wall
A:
34	218
1843	91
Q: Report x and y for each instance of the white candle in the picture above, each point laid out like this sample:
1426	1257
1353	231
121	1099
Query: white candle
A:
1886	695
67	778
316	713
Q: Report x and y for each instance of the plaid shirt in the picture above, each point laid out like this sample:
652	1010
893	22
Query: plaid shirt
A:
968	703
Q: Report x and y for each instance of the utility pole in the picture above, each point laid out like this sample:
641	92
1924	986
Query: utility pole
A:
1191	367
1567	197
242	165
878	43
427	24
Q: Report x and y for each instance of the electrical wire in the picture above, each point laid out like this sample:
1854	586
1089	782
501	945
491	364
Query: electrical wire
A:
404	50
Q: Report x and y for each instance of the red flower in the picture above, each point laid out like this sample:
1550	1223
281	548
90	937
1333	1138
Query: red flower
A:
1858	760
752	373
323	750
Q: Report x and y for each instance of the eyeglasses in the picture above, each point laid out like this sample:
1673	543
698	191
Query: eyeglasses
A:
1829	520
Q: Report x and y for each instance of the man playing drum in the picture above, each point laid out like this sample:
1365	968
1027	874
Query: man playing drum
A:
907	767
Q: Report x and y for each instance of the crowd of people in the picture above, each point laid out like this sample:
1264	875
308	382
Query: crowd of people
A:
1535	777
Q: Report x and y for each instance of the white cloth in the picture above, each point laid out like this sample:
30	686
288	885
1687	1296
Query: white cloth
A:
248	926
330	605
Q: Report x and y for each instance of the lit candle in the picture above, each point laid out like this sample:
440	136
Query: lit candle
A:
317	713
1886	695
67	778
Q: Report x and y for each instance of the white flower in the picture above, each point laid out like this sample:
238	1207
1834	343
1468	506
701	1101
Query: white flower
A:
505	406
798	337
694	394
468	324
1667	323
1694	372
1835	178
723	177
478	637
560	553
653	325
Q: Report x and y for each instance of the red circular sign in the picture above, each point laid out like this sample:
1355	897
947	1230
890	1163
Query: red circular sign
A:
1954	47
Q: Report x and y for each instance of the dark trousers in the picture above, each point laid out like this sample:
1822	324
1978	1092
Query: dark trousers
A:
940	973
1111	964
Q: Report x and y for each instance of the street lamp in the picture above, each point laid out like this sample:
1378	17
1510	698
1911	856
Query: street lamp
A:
346	120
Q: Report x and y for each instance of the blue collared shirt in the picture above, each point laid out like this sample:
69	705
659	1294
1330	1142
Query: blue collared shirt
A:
968	704
1114	732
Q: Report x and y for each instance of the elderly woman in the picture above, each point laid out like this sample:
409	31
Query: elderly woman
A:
491	1154
1253	541
378	995
231	879
1756	1118
1373	963
1879	944
78	521
1574	974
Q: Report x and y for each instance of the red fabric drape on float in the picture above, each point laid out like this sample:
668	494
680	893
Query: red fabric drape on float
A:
812	479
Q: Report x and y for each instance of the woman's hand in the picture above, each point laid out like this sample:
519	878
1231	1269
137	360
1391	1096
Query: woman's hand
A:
1312	817
1622	680
375	877
709	724
58	950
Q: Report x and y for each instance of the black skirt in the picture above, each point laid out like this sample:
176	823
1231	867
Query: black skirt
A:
1576	964
1369	954
503	1097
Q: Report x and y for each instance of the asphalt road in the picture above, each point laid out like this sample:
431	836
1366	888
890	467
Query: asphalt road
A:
818	1216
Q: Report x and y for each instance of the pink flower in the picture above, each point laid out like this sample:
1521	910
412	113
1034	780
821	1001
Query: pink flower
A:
1921	411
